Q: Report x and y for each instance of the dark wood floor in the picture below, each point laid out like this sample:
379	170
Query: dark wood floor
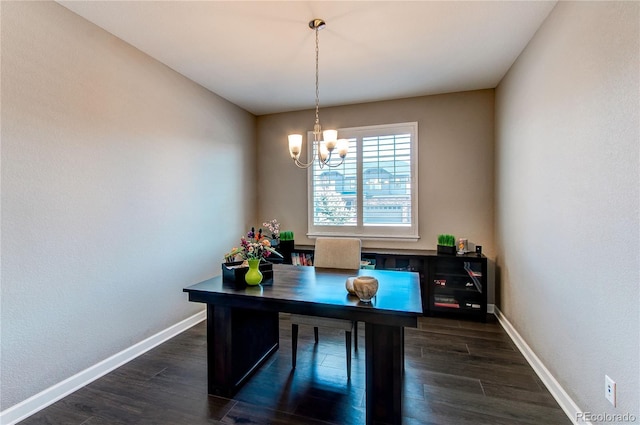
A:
456	373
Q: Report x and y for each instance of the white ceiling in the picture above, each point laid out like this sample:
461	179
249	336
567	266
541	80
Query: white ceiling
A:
260	55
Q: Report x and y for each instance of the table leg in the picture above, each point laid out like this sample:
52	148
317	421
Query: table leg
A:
239	341
384	365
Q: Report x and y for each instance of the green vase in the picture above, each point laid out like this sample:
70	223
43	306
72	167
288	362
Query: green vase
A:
254	275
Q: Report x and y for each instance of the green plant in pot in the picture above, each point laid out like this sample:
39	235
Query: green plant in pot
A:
286	235
287	244
446	244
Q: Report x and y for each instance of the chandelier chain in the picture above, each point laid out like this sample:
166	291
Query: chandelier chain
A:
317	126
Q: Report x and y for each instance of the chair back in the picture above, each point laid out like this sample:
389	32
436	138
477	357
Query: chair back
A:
337	253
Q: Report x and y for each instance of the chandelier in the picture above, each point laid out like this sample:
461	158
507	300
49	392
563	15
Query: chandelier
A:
326	146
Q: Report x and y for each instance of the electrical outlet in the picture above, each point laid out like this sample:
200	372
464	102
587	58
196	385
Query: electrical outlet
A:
610	389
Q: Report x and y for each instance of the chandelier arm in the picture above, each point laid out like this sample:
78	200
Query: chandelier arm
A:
335	165
321	163
301	164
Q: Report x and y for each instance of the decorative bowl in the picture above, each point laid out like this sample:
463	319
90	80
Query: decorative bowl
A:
349	285
365	287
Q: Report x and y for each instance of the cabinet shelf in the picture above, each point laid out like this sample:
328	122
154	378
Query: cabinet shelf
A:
469	308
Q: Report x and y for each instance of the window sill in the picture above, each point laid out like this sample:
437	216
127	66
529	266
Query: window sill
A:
406	238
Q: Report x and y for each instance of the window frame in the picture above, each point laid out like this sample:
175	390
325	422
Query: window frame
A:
404	233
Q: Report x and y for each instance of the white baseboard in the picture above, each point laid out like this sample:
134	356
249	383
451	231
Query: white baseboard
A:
54	393
569	407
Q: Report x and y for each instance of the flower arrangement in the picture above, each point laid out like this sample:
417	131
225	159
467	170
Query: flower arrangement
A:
252	247
274	227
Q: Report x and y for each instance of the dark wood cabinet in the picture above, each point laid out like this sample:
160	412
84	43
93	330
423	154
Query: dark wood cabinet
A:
458	286
450	285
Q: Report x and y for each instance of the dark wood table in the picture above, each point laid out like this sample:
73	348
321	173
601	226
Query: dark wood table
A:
242	326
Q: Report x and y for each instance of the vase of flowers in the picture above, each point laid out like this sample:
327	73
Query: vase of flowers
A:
253	248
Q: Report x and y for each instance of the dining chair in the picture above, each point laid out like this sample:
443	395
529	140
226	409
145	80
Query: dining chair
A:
334	253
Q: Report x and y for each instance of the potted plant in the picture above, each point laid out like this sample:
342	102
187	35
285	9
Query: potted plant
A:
446	244
286	245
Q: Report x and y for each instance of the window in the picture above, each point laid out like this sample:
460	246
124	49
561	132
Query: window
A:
373	193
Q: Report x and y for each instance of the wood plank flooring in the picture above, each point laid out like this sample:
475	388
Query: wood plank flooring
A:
456	373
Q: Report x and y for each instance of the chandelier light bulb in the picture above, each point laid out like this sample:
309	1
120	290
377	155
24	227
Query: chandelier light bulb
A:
295	145
324	151
330	138
343	147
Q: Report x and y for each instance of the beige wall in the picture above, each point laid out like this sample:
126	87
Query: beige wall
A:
567	194
455	169
114	168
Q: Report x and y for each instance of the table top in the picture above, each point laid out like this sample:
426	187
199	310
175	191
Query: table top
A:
321	292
